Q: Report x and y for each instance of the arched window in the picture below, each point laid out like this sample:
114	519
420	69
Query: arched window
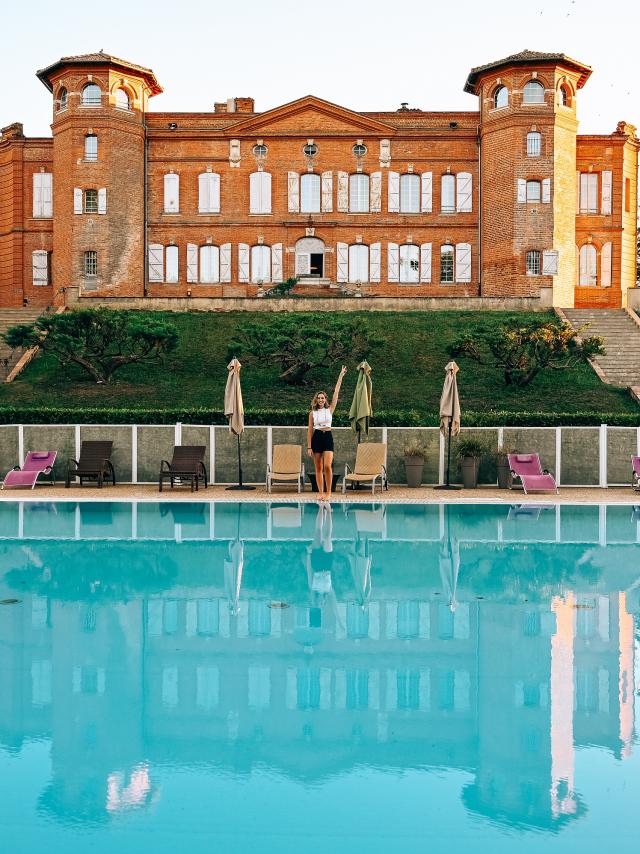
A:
533	191
533	92
358	263
260	193
310	193
533	262
171	264
409	193
500	97
409	264
63	99
209	264
359	193
588	265
564	95
260	263
447	264
448	194
534	144
91	147
122	100
91	95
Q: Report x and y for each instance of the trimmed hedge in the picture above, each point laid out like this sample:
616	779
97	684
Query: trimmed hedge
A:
298	416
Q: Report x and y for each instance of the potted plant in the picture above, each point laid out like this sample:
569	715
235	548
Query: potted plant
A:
414	457
503	467
469	452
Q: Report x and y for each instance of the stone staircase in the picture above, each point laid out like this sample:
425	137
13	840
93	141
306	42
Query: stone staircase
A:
12	317
621	364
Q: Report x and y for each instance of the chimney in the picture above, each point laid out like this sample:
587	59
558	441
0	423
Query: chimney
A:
14	131
234	105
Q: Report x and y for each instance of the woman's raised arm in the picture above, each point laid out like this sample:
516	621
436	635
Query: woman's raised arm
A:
336	391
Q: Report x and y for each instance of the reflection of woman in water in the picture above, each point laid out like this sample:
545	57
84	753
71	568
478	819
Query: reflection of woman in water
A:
319	566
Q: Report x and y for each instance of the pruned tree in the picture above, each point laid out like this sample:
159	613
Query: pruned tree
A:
100	341
522	350
300	343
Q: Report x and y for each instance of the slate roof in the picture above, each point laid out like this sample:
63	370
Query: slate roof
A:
98	58
529	57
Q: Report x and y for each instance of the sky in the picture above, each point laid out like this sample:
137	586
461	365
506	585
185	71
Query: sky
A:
363	55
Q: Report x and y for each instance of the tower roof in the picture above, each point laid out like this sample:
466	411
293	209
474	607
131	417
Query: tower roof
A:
99	58
529	57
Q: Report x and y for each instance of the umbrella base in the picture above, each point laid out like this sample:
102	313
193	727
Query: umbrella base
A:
447	486
238	487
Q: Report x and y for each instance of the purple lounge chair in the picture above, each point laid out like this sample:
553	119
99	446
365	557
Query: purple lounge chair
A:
527	469
635	473
36	463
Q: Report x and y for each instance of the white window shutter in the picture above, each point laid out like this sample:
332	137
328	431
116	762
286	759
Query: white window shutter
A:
425	262
605	266
40	267
464	192
156	262
522	190
276	262
607	183
375	252
225	262
376	192
254	192
393	186
327	192
266	192
192	262
550	262
214	192
203	194
37	194
342	262
426	202
209	192
463	262
546	191
47	193
243	262
343	192
577	192
102	200
77	200
393	262
171	193
293	192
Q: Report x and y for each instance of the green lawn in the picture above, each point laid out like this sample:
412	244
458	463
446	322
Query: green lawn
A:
407	373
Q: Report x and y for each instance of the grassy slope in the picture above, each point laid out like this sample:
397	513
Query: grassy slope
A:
407	373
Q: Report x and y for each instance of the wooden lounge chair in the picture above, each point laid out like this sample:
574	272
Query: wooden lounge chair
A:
94	464
286	466
528	470
370	466
36	463
186	466
635	473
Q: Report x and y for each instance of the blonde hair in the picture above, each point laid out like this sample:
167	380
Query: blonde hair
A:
314	402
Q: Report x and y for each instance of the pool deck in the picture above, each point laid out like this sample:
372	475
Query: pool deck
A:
395	495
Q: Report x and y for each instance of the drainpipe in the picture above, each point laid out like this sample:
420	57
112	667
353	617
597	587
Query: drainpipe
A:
479	211
145	266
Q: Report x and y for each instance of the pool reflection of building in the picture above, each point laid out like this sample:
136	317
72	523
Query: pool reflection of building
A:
504	683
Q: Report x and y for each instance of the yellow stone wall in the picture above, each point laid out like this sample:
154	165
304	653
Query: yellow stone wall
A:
629	218
564	208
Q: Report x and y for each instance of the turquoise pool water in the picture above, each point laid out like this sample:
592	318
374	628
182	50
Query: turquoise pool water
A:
272	678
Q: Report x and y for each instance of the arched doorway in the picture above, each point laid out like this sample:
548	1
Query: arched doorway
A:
310	257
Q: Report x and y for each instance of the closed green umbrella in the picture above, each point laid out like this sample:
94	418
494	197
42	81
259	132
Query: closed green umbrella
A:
361	410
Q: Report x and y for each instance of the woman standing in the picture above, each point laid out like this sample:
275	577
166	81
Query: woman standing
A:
320	438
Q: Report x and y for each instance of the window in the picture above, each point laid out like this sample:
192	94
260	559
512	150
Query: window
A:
359	193
260	263
564	96
359	150
588	192
534	144
533	93
533	191
41	267
533	262
63	99
310	149
260	150
260	193
409	193
208	193
446	264
122	100
500	97
91	95
171	193
448	194
42	194
588	265
91	263
209	264
627	195
91	201
409	264
310	193
358	263
91	148
171	264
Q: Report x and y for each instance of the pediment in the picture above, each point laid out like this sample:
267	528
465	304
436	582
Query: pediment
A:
310	116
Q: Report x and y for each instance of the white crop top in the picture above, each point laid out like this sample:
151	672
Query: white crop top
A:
321	418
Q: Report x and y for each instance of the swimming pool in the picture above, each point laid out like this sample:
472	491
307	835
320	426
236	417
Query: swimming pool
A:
271	677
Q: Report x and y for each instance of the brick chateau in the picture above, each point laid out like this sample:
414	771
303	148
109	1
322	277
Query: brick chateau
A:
503	201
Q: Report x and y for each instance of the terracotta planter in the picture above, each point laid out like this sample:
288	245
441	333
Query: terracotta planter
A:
413	467
504	473
469	468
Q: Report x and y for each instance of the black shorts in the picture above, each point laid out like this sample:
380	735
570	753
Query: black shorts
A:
321	441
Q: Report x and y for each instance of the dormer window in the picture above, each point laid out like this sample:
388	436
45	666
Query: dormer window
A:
533	93
122	100
63	99
91	95
500	97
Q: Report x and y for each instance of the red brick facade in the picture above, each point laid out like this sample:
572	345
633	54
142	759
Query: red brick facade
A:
404	203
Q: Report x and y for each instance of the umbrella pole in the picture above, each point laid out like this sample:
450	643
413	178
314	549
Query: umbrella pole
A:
448	484
240	485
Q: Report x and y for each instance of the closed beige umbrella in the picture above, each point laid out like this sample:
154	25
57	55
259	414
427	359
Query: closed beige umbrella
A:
234	411
449	414
361	410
